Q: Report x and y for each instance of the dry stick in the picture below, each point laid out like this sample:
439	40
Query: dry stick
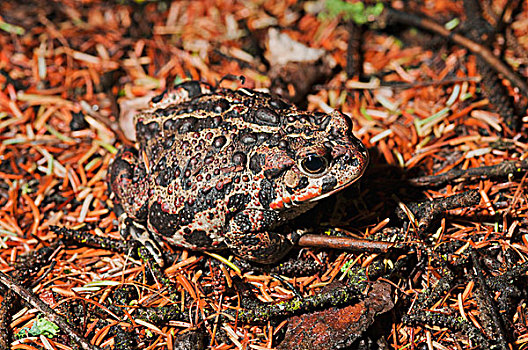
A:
419	84
6	307
354	57
482	51
50	314
504	17
490	306
345	243
500	170
428	211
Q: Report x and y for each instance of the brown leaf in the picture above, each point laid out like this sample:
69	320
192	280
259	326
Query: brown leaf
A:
337	328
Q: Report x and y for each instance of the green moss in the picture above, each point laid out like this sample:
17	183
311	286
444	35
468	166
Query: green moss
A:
356	12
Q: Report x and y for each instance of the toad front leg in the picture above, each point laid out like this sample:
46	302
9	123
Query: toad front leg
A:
130	185
249	236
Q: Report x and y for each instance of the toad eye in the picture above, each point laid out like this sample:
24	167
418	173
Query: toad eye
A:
314	165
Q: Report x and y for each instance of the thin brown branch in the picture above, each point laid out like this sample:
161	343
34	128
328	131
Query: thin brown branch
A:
489	306
480	50
420	84
345	243
50	314
503	169
6	307
426	212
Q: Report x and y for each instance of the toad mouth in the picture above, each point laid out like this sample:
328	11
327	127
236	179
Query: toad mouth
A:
337	189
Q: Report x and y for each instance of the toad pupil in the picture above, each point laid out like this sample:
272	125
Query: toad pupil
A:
314	164
195	199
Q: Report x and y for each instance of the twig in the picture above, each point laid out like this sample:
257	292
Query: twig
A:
420	84
500	170
50	314
489	307
6	308
86	238
506	14
391	14
428	211
345	243
340	295
354	62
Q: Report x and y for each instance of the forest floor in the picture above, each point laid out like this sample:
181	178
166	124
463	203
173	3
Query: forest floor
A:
437	93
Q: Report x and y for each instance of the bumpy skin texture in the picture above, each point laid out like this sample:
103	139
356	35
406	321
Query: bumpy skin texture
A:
220	167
